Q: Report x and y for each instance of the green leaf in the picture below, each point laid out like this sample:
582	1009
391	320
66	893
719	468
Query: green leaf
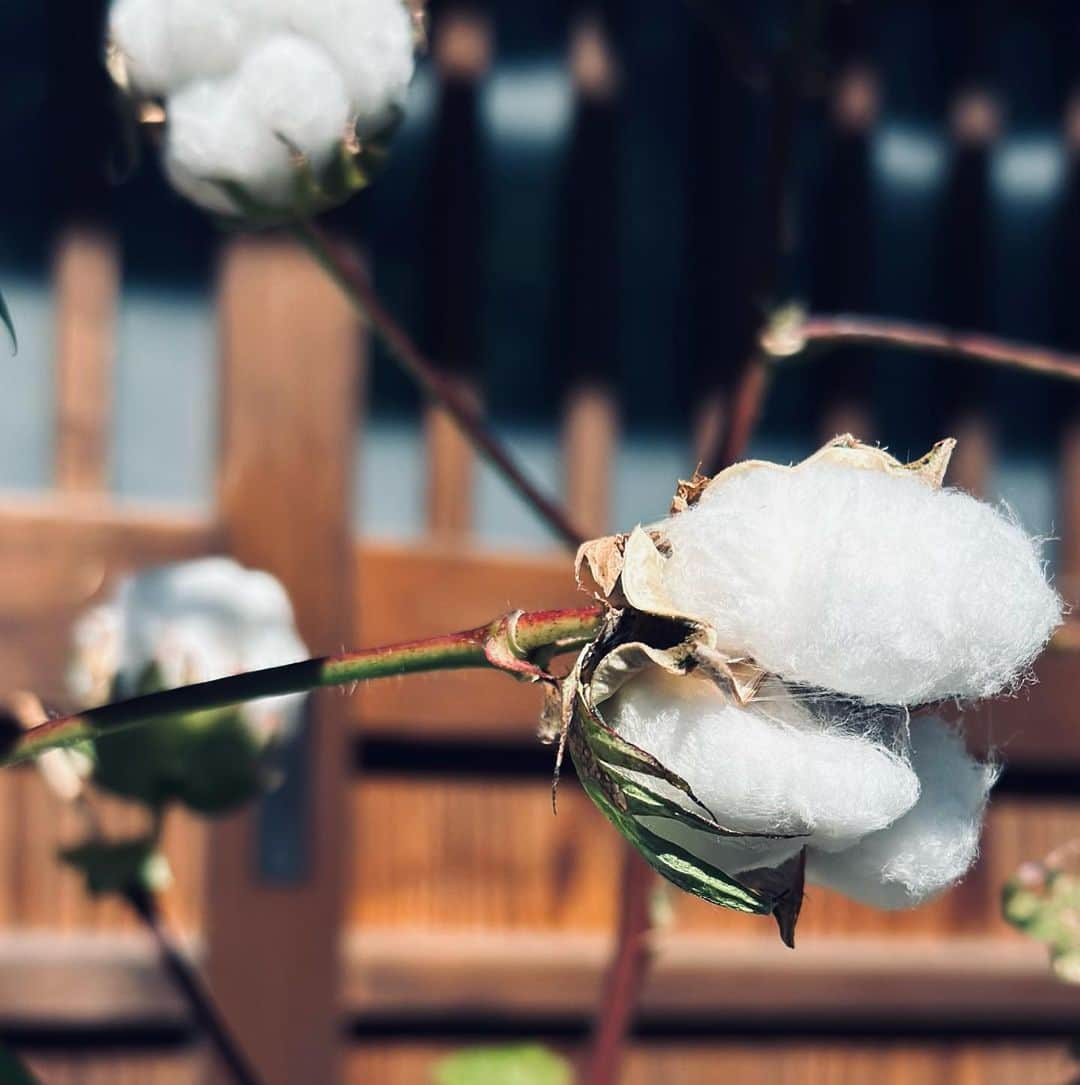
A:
119	866
524	1064
5	318
13	1071
679	866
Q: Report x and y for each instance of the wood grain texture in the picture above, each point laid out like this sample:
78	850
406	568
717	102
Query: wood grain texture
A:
469	854
86	274
290	371
780	1061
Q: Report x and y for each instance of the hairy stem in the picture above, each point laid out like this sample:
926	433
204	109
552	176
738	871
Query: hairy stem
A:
823	331
505	644
445	393
208	1017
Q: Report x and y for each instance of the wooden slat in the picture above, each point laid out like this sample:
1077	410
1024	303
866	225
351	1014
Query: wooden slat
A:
408	592
86	273
97	1067
904	982
55	556
446	853
772	1060
451	465
590	433
290	379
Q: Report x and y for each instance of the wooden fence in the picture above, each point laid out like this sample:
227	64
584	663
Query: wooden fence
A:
441	900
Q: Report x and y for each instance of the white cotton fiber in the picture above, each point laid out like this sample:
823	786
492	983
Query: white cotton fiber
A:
772	767
874	585
193	621
236	72
929	848
286	93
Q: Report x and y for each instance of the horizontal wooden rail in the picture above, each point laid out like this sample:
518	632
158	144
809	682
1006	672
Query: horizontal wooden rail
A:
904	983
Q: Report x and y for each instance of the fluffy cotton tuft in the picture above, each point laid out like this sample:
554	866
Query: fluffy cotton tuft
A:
237	73
286	94
776	766
867	583
193	622
933	845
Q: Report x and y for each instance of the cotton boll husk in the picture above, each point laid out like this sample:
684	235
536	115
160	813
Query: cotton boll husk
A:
932	846
287	93
869	583
139	29
774	766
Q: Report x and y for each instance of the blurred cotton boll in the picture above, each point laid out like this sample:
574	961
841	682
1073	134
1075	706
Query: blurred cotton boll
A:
775	766
249	84
932	846
176	624
872	583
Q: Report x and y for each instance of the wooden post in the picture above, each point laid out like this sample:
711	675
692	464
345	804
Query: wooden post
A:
86	273
290	344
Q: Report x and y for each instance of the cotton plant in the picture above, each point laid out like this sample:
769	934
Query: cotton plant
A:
169	626
745	715
272	108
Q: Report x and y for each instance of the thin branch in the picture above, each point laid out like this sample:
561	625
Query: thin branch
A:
443	392
823	331
505	644
207	1015
625	976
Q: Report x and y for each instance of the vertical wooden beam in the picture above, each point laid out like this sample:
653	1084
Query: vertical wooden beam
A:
588	275
454	272
86	276
290	345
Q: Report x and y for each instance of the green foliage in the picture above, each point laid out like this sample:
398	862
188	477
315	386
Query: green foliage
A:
210	761
13	1071
1044	902
524	1064
119	866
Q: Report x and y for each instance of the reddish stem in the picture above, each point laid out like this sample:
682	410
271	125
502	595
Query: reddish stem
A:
835	330
437	387
626	973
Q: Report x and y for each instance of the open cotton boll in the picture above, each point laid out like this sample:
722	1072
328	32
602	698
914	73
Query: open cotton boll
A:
773	766
373	46
933	845
869	583
287	93
207	38
139	30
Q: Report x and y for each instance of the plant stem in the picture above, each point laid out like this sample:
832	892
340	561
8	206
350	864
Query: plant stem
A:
625	976
505	644
208	1017
818	330
443	392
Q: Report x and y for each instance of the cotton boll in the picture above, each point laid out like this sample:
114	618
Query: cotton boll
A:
138	28
872	584
772	767
371	42
929	848
207	38
286	94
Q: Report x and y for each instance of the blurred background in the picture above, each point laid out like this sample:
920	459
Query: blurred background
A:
585	220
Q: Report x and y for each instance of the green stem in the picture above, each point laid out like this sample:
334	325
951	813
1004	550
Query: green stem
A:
504	644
